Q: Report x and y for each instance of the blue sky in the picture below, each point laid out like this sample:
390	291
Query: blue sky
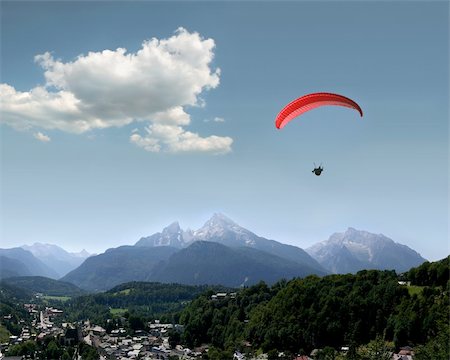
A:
101	146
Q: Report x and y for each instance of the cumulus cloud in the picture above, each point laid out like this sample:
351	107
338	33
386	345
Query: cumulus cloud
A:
113	88
216	119
41	137
176	139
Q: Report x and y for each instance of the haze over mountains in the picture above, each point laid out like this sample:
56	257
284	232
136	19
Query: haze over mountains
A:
118	265
356	250
57	258
20	262
220	229
220	252
39	260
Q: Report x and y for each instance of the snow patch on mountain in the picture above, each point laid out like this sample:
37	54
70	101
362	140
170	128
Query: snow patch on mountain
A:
354	250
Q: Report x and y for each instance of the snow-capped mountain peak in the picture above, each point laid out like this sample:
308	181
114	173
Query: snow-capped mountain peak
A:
82	254
221	227
48	250
171	235
55	257
219	222
362	249
173	228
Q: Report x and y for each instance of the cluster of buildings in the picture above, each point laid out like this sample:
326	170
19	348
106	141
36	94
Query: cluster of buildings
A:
223	295
42	325
144	345
119	345
39	325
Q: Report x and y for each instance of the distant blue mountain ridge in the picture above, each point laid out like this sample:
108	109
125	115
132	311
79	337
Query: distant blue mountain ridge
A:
221	252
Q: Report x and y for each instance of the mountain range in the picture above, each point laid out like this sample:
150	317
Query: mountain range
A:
118	265
55	257
355	250
220	229
220	252
43	285
46	260
20	262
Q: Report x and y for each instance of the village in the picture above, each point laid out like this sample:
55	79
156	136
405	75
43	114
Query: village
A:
119	344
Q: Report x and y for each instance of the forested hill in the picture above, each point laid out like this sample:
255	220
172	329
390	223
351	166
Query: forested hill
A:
9	292
146	300
11	306
145	293
46	286
335	310
430	273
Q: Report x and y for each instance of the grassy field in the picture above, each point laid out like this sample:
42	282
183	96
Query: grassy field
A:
118	311
413	289
4	334
122	292
58	298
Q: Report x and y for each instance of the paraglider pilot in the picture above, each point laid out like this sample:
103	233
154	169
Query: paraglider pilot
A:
318	170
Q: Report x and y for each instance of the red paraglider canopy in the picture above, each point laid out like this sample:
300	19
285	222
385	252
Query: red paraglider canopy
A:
312	101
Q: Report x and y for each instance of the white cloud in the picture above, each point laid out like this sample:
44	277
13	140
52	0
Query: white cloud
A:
216	119
114	88
175	139
41	137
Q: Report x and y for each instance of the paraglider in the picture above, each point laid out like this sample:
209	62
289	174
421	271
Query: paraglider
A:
317	170
311	101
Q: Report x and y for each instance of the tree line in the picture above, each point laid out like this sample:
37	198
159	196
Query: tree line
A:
333	311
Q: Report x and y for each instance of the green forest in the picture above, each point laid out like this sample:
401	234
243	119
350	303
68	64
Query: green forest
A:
329	312
144	300
371	312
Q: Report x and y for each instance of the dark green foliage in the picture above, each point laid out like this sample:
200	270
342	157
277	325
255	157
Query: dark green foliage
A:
48	349
367	308
52	350
438	346
174	337
145	293
376	349
317	312
143	300
9	292
327	353
11	308
222	322
88	352
85	307
218	354
136	323
46	286
27	348
416	318
430	274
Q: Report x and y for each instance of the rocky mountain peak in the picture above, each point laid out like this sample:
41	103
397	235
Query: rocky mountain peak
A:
220	219
82	254
218	225
171	235
173	228
355	250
